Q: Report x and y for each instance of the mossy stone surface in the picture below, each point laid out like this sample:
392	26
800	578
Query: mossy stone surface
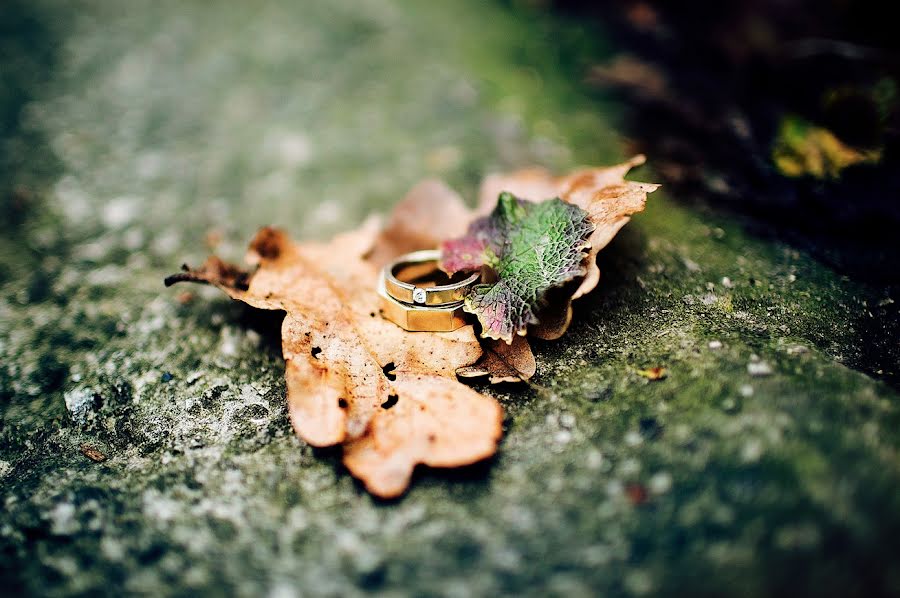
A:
765	462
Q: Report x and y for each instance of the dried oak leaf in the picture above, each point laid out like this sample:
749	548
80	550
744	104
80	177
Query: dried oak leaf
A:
389	395
609	201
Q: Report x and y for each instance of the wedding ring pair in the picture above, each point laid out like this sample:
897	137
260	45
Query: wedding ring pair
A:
411	299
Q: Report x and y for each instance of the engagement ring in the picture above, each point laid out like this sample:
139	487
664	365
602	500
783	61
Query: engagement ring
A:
416	266
411	299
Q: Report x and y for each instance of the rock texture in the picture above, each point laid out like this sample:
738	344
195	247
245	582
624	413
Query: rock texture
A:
144	441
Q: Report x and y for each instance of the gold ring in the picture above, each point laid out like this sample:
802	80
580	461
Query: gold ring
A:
417	318
415	265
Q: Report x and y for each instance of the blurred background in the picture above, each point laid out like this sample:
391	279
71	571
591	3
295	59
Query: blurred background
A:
144	443
785	111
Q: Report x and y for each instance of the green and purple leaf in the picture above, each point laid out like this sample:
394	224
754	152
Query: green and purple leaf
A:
531	248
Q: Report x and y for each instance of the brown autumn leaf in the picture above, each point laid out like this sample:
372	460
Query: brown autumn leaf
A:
353	377
92	453
391	397
502	362
603	193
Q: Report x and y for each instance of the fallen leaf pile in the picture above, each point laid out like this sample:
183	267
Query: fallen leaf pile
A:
393	398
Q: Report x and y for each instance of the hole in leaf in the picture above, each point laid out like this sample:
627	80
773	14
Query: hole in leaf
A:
343	404
315	352
391	401
388	370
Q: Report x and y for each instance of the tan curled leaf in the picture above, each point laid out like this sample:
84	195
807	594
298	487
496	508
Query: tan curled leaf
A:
503	362
389	396
431	420
343	362
428	214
